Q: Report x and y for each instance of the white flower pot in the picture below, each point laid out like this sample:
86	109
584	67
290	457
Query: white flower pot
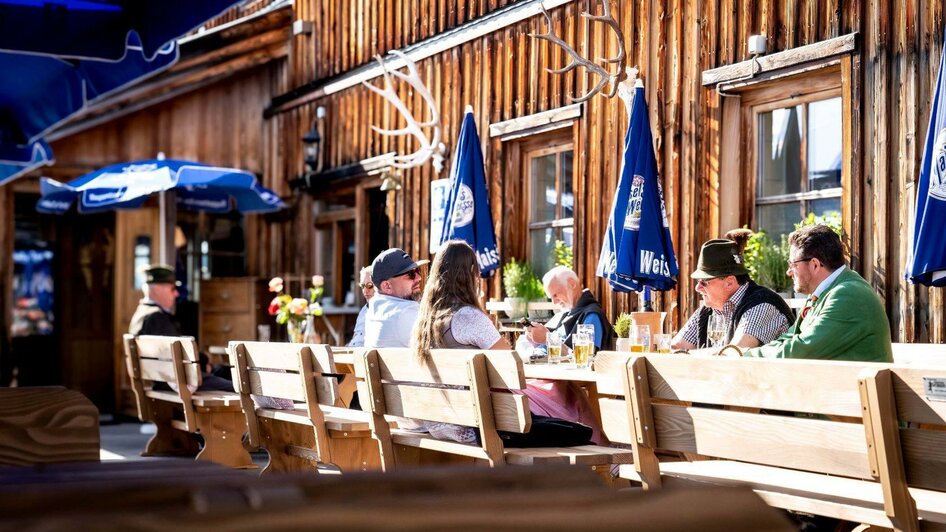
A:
516	307
623	344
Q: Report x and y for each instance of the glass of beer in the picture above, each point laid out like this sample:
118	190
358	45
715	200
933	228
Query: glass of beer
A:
584	347
640	338
553	344
663	341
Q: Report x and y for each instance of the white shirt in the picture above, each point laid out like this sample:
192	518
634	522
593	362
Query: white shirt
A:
358	337
827	282
389	321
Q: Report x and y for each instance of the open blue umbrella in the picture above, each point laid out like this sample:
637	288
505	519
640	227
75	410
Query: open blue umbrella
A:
927	263
468	216
57	56
128	185
637	251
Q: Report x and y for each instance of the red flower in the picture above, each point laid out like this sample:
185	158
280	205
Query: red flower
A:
274	306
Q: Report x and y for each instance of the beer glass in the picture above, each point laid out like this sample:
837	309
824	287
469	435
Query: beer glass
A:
663	341
640	338
584	343
553	344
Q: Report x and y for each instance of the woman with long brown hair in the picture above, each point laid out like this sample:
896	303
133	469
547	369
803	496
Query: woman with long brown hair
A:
450	314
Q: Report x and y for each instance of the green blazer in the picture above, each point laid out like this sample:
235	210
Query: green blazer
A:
848	322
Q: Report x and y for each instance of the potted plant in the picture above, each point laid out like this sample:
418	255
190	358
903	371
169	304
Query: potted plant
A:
622	327
516	282
536	292
767	262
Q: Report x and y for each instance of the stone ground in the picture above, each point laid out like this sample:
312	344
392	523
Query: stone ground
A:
125	440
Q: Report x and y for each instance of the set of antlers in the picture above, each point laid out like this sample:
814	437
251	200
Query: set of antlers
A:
605	77
428	148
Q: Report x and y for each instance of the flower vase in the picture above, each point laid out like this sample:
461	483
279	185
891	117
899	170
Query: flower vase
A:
311	336
296	330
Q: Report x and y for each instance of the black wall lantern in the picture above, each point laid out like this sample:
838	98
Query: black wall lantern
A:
311	143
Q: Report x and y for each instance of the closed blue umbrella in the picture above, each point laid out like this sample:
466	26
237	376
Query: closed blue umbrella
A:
637	251
468	216
927	263
127	185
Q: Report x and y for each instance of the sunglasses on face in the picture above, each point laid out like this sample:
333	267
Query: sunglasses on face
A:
412	274
366	286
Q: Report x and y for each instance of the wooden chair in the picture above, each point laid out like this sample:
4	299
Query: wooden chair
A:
316	431
819	463
47	424
464	387
906	422
216	416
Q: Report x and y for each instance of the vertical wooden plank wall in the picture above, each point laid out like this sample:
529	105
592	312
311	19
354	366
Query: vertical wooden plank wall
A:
502	75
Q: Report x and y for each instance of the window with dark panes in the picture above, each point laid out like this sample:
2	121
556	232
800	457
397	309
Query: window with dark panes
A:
798	161
552	202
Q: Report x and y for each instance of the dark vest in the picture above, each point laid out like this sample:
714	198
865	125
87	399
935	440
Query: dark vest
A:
755	295
585	306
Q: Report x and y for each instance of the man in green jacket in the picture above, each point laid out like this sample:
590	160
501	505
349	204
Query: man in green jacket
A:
843	318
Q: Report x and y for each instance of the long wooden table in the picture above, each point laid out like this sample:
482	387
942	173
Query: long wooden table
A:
562	372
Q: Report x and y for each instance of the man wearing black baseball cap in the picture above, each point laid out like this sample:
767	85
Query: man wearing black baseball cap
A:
155	312
750	315
392	312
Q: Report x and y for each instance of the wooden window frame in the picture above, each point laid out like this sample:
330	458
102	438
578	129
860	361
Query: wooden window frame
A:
540	147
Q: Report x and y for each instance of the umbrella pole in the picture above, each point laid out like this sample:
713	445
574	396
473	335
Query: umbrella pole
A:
167	207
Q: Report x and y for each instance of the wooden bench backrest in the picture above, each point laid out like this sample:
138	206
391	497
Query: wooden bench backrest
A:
459	386
924	354
169	359
656	418
298	372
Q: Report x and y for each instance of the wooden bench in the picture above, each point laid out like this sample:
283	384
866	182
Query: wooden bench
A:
906	421
918	354
463	387
215	416
47	424
822	463
124	497
317	431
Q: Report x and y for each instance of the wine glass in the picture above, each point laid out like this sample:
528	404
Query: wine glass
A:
715	330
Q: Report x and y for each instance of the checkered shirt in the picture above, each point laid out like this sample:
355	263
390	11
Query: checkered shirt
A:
763	322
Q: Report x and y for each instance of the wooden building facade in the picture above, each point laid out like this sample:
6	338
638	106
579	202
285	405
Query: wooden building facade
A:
874	63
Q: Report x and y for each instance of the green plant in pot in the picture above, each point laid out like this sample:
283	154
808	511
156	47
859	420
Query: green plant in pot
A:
622	327
517	278
767	261
536	292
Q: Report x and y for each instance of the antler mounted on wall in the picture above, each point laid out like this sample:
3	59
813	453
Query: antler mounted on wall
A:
605	76
428	148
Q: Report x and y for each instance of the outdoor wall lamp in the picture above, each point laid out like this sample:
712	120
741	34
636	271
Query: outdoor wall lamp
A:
310	144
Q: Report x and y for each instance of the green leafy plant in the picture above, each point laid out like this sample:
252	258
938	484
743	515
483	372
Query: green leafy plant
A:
517	278
535	291
562	254
767	261
832	219
622	325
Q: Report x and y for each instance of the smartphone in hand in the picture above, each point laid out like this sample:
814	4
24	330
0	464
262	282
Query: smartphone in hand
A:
525	322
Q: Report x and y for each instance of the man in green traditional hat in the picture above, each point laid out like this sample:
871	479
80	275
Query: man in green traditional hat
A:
155	312
843	318
750	315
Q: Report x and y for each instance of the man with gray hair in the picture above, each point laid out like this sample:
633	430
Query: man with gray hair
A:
367	290
578	305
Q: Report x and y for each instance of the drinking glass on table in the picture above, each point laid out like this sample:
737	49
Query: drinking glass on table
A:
584	345
715	330
553	345
663	342
640	338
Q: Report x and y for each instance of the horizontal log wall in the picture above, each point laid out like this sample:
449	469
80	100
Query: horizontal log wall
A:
502	76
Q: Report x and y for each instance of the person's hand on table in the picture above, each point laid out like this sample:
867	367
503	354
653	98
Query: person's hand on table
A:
537	333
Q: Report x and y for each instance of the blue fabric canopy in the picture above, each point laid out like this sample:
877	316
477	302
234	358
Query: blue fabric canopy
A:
468	216
927	263
637	250
100	29
57	56
128	185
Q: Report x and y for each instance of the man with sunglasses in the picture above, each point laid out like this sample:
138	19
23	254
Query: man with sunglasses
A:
843	318
751	314
392	311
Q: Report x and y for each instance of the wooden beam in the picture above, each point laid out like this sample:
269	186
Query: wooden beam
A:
789	58
432	46
544	121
